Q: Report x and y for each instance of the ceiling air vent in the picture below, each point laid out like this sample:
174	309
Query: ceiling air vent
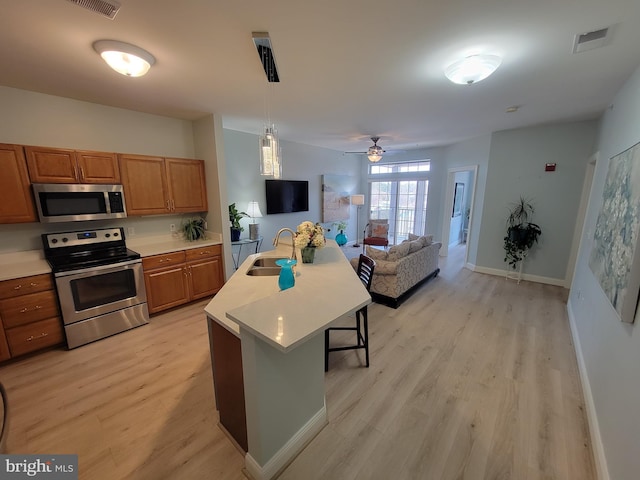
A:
107	8
263	45
591	40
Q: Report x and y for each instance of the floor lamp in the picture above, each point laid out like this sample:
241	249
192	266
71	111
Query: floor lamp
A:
357	200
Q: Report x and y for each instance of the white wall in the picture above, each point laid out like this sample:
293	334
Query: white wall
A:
300	162
516	168
609	350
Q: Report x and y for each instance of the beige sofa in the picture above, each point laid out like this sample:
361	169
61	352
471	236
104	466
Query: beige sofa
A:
402	268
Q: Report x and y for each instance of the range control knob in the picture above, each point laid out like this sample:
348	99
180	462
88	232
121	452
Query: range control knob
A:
115	234
54	240
107	235
65	239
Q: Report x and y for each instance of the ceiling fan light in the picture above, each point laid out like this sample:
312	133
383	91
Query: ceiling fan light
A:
125	58
373	158
472	69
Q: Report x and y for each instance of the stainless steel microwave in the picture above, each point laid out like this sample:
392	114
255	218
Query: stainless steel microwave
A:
57	202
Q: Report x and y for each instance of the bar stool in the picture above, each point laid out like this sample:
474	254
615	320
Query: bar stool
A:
4	431
366	266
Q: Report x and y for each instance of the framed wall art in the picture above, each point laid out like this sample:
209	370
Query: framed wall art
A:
615	256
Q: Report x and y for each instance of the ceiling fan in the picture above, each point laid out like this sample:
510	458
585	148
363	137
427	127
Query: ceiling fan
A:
374	153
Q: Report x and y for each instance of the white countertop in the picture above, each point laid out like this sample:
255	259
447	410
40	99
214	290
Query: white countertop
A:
32	262
157	245
23	264
324	291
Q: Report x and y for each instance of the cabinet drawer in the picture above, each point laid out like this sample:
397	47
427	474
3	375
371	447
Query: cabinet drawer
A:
37	335
28	308
26	285
166	260
203	252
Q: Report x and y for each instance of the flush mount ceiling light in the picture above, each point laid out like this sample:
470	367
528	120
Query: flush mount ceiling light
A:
125	58
472	69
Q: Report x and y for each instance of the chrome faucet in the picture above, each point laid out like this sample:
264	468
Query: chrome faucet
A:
293	240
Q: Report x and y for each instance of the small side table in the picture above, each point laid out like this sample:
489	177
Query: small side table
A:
241	243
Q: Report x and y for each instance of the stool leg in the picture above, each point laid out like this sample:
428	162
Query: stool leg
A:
326	350
366	334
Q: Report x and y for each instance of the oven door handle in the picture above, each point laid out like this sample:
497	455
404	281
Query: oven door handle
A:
101	268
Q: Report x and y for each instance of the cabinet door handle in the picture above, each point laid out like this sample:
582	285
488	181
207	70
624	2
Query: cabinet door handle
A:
34	284
75	172
17	287
169	205
173	205
206	252
162	260
26	309
42	335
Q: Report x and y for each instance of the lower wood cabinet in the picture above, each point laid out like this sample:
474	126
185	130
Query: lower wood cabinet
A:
177	278
29	316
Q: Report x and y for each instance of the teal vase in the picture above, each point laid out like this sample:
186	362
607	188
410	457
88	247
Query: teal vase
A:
286	279
341	239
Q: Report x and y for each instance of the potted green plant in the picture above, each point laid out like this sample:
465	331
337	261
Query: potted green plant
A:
234	218
521	232
341	226
193	228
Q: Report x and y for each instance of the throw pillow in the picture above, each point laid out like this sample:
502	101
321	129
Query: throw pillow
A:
415	245
380	230
398	251
376	253
413	237
428	240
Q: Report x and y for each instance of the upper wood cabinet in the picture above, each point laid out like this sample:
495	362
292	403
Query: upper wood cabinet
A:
16	200
60	165
155	185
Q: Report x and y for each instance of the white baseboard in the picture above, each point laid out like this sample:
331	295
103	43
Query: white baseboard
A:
559	282
596	440
289	451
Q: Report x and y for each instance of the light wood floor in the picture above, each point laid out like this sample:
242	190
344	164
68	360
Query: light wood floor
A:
474	377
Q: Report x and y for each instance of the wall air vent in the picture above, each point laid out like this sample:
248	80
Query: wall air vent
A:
590	40
107	8
265	52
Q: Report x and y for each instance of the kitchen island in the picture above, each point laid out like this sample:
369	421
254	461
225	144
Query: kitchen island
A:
274	340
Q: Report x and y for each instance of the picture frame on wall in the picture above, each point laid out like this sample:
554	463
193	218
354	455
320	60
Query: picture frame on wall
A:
615	256
458	198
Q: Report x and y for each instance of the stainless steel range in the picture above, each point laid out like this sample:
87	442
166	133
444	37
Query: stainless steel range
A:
99	281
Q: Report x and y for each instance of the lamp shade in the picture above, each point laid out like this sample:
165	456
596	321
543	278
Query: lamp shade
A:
124	58
253	210
357	199
472	69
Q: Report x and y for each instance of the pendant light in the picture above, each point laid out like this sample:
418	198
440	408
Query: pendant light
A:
270	154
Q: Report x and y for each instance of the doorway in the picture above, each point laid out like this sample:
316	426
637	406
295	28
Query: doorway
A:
458	209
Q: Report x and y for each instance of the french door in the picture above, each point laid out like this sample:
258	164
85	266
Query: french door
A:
403	203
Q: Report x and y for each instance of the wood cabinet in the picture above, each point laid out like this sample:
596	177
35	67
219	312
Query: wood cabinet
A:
16	200
156	185
30	315
61	165
176	278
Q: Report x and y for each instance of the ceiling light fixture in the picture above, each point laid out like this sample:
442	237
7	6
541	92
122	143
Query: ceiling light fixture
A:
270	154
374	153
472	69
124	58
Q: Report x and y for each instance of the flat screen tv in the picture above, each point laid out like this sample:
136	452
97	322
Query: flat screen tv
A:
286	196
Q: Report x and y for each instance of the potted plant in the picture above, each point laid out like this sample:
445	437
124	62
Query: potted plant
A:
341	238
194	228
234	218
521	233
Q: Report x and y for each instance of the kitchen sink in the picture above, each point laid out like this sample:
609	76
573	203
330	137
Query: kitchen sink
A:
267	262
263	271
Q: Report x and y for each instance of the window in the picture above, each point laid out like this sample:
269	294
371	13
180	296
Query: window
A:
398	192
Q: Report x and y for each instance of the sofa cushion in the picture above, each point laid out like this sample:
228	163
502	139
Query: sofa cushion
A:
376	253
425	239
415	245
398	251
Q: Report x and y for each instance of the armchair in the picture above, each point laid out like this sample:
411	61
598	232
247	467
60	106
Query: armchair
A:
376	233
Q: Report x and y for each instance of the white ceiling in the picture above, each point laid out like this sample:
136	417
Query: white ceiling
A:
349	69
